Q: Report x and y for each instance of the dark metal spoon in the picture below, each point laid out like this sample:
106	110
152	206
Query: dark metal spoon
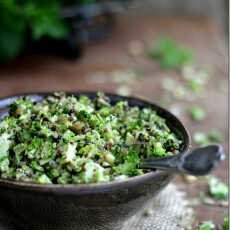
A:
198	162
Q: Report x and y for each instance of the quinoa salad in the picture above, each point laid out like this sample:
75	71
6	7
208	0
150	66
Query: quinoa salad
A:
68	140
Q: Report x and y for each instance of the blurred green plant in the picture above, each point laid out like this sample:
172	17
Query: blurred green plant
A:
169	54
40	17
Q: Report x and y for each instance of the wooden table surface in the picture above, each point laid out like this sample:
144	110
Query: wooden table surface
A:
44	72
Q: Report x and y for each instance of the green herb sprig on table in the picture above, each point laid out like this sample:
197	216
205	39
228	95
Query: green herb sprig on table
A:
169	54
203	139
209	225
205	227
197	113
218	189
226	223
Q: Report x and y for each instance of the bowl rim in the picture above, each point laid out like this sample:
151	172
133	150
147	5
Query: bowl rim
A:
93	187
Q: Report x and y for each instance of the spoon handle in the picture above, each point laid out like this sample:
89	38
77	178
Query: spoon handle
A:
200	161
164	163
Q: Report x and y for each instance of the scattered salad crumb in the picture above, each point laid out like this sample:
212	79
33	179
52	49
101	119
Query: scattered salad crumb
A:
149	212
206	199
136	48
207	225
201	138
215	135
190	178
124	90
204	139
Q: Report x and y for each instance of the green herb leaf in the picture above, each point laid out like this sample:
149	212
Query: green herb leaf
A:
169	54
218	189
216	135
201	139
46	23
226	223
205	227
38	17
197	113
195	85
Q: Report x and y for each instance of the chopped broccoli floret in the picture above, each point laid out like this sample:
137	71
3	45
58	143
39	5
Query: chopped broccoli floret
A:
68	152
4	165
43	179
158	149
4	146
93	172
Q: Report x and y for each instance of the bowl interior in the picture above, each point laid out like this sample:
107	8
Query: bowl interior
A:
175	125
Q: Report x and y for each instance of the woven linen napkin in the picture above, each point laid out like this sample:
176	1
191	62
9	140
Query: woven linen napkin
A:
168	211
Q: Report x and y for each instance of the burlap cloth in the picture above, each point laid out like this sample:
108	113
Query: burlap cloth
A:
168	211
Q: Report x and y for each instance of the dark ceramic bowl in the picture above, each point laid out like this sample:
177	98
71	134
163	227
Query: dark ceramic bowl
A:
85	207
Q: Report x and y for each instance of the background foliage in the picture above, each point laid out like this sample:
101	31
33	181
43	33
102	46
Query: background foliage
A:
39	17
